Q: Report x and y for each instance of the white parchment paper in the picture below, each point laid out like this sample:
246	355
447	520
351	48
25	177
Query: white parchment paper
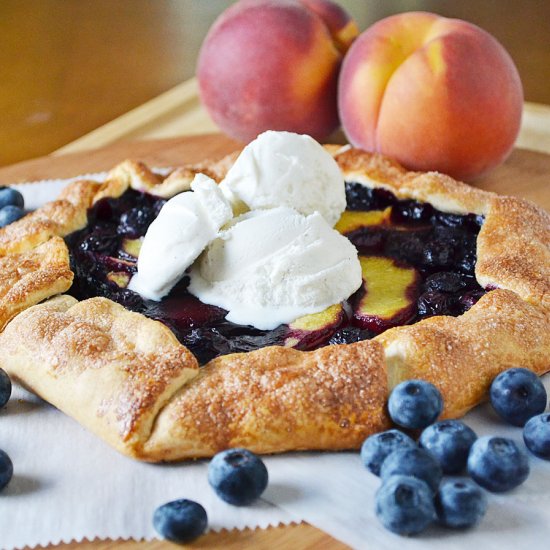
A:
69	485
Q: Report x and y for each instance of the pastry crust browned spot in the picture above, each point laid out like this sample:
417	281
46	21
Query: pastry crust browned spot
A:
33	276
152	405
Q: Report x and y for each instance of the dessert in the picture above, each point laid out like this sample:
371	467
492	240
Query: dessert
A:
471	271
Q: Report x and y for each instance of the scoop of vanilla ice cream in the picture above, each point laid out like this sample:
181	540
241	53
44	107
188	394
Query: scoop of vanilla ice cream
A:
270	267
181	231
286	169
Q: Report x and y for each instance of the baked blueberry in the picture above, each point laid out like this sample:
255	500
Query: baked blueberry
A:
377	447
404	505
411	211
237	476
445	281
414	462
433	302
460	503
180	520
517	395
6	469
536	435
136	221
5	388
359	197
498	464
11	197
10	214
349	335
450	442
415	404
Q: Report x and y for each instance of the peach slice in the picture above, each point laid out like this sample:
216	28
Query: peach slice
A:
352	220
120	278
389	294
131	247
311	330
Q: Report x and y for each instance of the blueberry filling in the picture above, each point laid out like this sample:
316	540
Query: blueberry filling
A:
441	247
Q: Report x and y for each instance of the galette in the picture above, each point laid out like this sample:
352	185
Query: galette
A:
269	300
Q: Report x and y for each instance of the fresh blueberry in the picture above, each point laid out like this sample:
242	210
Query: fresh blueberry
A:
377	447
10	214
11	197
460	503
5	388
517	395
180	520
404	505
415	404
414	462
536	435
449	441
497	464
238	476
6	469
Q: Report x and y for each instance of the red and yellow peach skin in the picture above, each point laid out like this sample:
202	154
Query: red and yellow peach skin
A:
433	93
273	65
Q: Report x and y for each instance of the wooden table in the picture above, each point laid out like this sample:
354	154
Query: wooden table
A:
178	113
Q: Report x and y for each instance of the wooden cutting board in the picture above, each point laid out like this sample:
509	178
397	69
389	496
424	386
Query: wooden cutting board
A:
525	174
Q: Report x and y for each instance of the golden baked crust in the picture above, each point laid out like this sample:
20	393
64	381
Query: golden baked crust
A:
30	277
276	399
109	368
56	218
279	399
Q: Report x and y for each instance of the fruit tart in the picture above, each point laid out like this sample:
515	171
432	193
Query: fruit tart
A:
270	300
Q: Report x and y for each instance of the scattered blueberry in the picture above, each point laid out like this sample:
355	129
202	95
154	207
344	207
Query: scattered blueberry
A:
517	395
437	254
5	388
10	214
536	435
414	462
11	197
377	447
238	476
6	469
497	464
415	404
460	503
404	505
180	520
449	441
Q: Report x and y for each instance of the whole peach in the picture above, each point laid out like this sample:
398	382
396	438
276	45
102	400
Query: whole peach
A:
273	65
434	93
